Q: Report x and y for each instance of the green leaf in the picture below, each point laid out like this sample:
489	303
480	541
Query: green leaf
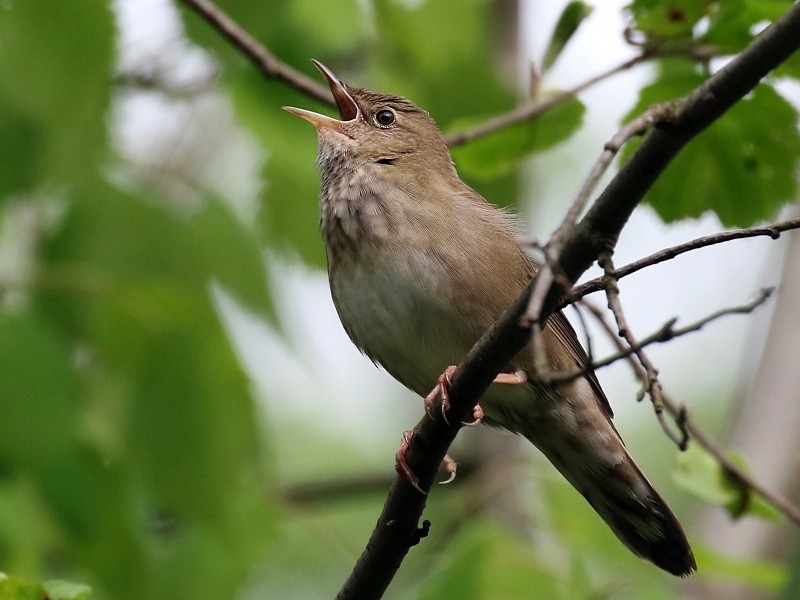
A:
490	563
768	577
502	152
65	590
16	588
38	394
51	112
673	19
163	495
743	167
735	23
571	18
700	474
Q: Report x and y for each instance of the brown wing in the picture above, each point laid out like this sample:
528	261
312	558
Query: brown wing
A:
565	333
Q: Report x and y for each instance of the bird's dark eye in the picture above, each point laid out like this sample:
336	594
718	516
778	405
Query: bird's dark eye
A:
384	117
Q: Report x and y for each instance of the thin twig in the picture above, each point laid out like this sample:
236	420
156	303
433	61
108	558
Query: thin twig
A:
651	385
636	127
530	111
665	333
598	283
266	62
686	423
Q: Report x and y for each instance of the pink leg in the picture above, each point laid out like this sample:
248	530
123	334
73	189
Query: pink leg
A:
451	467
442	390
477	416
401	464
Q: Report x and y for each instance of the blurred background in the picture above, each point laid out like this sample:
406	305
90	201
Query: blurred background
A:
181	413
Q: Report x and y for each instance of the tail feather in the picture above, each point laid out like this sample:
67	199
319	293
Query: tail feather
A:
627	502
583	444
646	525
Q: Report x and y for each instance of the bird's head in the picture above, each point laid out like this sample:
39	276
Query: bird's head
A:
386	130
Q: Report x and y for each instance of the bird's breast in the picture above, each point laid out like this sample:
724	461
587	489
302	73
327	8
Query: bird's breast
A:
417	272
397	308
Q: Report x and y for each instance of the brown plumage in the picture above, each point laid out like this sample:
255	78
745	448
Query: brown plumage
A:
420	265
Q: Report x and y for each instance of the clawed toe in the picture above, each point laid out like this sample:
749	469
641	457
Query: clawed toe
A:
451	467
401	464
477	417
442	391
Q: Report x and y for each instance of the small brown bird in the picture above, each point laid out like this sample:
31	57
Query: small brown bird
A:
420	265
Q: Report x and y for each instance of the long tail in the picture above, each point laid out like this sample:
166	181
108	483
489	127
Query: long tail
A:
589	452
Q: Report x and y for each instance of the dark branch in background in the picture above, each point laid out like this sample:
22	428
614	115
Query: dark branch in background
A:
685	422
266	62
599	283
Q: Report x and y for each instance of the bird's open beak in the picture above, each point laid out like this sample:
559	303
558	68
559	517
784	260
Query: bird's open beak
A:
348	109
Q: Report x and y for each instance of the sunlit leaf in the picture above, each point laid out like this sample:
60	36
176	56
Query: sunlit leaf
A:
501	152
66	590
700	474
743	167
671	20
15	588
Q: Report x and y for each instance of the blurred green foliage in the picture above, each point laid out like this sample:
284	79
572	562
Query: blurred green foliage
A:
751	152
133	452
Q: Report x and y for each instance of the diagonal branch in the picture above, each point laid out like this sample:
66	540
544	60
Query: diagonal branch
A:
397	527
266	62
598	283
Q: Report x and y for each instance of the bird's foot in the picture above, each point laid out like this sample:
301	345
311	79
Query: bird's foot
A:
442	391
515	378
401	464
477	416
451	467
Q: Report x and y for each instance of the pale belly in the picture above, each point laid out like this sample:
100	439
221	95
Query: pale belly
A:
401	323
415	332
